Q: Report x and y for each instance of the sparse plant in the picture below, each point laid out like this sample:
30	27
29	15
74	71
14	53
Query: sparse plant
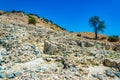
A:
113	55
79	35
34	15
31	20
50	21
71	31
103	38
60	27
14	11
113	38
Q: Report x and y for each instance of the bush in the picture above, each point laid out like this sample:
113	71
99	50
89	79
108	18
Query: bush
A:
71	32
31	20
113	38
79	35
14	11
103	38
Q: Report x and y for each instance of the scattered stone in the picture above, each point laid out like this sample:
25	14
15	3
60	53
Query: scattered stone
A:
53	48
56	77
76	55
107	47
98	76
89	44
67	77
48	59
32	75
11	75
109	73
117	74
2	75
0	62
110	63
117	48
38	69
18	73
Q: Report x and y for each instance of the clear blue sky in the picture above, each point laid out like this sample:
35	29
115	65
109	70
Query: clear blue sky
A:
71	14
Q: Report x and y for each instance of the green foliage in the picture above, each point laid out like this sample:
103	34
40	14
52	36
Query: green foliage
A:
60	27
31	20
34	15
50	21
93	21
14	11
46	20
71	31
113	38
97	24
79	35
113	55
103	38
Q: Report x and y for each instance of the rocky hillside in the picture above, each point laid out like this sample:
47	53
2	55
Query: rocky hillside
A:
22	18
36	52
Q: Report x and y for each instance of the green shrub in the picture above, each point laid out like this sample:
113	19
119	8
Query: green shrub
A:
49	21
113	38
14	11
79	35
103	38
60	27
31	20
71	32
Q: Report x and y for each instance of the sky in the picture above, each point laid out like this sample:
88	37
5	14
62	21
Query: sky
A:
71	14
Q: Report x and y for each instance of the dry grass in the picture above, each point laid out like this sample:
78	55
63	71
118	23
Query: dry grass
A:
91	36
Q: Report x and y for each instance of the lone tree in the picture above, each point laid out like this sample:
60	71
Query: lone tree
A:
97	24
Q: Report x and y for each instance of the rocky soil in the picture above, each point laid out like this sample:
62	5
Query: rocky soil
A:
29	52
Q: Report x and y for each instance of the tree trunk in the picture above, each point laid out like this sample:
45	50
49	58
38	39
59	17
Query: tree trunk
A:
96	35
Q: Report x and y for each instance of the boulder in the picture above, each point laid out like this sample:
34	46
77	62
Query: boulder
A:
32	75
11	75
117	74
2	75
89	44
110	73
18	73
79	43
53	48
111	63
107	47
117	47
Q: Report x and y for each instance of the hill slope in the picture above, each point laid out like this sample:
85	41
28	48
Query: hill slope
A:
21	18
41	53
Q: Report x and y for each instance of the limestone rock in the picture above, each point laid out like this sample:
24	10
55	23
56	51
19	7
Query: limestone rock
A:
110	73
2	75
89	44
53	48
111	62
117	74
